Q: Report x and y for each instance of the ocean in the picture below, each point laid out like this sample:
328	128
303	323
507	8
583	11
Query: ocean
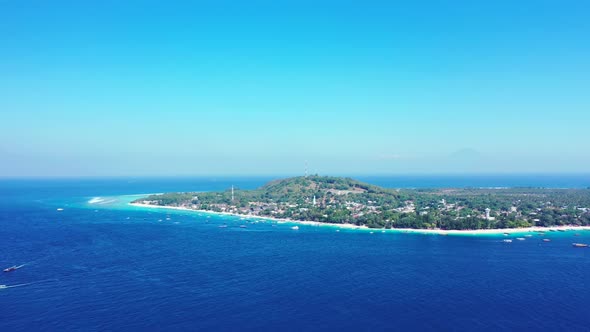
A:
102	265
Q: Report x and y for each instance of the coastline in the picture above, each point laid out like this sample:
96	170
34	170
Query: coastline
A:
534	229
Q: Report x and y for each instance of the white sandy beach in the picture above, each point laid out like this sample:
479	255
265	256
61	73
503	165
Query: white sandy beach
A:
403	230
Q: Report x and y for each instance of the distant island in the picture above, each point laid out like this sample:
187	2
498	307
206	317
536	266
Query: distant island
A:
344	201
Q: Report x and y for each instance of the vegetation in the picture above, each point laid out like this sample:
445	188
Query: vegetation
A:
344	200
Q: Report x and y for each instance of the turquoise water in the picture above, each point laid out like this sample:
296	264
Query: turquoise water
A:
108	266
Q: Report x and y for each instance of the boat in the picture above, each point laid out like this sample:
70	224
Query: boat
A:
528	235
295	227
506	234
580	245
12	268
243	226
222	226
507	240
520	238
546	240
60	209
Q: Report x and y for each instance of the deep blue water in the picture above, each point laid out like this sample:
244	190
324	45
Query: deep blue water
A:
108	266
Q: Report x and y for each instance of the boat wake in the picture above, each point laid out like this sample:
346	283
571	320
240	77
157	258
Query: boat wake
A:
26	284
12	286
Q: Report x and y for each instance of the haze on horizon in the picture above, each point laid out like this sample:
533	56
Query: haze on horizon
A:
116	88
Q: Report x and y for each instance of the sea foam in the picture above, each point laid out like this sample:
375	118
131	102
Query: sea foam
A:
96	200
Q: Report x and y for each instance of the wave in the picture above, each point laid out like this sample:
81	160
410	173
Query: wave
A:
96	200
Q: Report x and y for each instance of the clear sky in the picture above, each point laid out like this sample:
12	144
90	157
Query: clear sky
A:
259	87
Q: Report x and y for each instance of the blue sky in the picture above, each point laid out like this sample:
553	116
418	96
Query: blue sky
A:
258	87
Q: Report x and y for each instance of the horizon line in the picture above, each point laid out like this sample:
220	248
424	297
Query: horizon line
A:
278	175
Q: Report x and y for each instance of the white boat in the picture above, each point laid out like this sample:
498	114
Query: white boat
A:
507	240
60	209
295	227
520	238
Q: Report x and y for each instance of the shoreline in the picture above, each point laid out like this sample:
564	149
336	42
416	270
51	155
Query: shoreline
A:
533	229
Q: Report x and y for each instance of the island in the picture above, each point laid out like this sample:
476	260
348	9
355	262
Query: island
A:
345	201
